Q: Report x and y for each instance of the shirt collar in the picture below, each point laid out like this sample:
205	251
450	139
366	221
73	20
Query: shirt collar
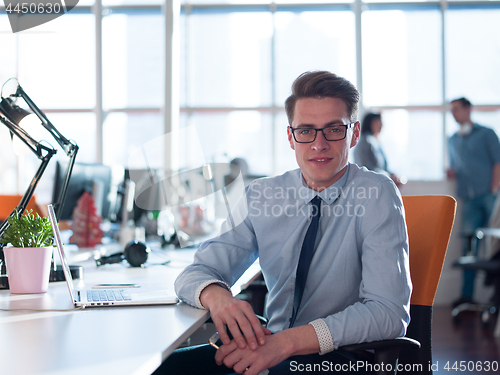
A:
330	194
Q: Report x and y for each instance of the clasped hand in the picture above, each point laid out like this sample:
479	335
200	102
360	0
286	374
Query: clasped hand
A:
249	347
236	315
253	362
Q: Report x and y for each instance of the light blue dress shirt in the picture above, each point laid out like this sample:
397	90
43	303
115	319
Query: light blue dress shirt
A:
358	288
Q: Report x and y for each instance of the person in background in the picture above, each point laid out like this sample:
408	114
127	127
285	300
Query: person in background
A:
238	166
368	152
474	152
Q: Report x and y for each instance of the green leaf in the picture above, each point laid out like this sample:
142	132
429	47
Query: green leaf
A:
28	230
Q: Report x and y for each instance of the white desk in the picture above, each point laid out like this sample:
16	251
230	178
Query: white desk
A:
120	340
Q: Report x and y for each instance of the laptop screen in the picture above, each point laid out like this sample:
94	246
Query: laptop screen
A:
64	262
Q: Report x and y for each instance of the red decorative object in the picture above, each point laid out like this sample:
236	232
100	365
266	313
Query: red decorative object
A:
86	223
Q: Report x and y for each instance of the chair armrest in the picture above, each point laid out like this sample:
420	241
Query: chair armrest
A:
473	263
384	352
262	320
400	342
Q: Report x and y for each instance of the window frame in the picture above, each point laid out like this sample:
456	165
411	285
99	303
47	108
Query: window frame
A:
173	10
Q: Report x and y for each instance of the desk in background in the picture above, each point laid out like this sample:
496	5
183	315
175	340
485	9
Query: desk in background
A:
118	340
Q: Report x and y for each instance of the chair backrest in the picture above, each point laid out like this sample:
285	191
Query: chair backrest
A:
429	219
9	202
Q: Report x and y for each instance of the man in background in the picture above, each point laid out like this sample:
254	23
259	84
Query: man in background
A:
474	152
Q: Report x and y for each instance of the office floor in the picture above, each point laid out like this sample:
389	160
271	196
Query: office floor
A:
467	341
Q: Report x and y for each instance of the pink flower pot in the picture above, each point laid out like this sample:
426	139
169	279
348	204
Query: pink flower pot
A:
28	269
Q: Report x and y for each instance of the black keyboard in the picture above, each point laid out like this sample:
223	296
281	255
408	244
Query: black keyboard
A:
108	295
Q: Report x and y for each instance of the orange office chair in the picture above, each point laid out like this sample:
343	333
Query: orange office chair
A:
429	219
9	202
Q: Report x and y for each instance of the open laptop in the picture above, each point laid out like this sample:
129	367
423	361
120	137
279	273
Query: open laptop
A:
106	297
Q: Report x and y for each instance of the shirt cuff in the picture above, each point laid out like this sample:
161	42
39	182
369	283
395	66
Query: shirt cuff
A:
324	336
203	286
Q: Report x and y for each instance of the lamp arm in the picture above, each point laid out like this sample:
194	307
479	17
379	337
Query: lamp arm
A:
37	149
43	153
58	204
69	147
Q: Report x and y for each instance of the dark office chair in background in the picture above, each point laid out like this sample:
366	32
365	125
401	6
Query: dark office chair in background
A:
429	219
483	258
484	255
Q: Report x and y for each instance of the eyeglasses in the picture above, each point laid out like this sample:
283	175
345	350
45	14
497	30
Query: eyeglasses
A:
331	133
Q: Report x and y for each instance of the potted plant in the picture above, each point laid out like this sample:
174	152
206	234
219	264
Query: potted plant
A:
29	257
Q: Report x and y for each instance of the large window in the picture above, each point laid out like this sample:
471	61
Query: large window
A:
100	74
402	57
240	63
473	53
307	39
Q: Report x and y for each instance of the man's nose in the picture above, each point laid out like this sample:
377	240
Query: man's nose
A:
320	143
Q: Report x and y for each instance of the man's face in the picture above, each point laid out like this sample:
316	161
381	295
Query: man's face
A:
459	112
322	162
376	126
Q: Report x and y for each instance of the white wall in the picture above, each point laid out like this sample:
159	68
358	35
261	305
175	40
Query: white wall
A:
450	284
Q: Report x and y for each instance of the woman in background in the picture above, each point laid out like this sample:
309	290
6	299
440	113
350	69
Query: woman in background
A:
368	152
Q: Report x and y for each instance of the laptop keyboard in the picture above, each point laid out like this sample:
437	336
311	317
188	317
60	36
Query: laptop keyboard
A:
108	295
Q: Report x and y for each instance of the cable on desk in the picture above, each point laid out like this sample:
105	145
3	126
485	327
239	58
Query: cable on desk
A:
44	310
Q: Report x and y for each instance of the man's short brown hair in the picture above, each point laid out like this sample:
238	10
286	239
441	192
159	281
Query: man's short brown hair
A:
464	102
323	84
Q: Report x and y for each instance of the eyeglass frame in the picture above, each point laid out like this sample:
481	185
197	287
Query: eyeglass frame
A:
347	126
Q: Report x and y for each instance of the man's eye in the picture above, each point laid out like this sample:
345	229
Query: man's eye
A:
333	129
304	131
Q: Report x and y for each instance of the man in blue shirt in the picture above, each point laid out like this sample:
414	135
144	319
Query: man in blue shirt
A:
358	286
475	164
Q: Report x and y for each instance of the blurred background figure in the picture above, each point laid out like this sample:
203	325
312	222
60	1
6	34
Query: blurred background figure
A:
368	152
474	152
241	167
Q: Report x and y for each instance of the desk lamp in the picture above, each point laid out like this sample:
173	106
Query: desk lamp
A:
13	116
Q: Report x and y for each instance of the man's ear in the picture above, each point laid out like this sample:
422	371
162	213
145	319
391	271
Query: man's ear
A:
356	130
290	138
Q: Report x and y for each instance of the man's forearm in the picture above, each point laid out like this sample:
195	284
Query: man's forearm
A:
212	292
302	340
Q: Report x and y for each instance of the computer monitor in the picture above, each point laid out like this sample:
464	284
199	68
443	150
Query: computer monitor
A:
94	178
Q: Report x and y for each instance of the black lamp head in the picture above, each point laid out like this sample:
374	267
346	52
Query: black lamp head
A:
12	111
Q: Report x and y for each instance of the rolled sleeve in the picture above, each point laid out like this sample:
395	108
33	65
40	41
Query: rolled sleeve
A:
324	336
203	286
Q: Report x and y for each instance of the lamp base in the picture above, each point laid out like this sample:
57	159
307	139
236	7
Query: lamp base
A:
4	282
55	275
58	274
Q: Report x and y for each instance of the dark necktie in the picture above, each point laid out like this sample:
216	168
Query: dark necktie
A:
306	255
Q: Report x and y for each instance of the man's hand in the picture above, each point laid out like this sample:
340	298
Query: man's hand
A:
252	362
237	315
295	341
